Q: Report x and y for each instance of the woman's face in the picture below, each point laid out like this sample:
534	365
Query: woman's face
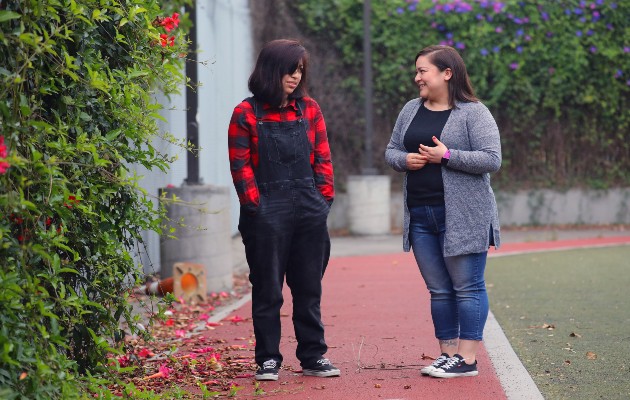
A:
291	81
432	82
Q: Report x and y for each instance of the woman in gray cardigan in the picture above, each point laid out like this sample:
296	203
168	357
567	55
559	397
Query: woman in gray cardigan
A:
447	144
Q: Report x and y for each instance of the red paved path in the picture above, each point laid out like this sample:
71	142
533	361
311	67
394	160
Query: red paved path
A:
378	326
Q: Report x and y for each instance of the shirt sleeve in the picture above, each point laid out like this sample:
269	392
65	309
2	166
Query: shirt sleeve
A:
322	162
241	158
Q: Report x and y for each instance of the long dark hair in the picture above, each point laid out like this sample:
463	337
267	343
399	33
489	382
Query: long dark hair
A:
459	86
276	59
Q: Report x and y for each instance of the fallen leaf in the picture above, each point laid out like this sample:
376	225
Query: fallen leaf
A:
144	353
591	356
23	375
407	387
425	357
163	372
573	334
235	319
377	385
567	362
322	387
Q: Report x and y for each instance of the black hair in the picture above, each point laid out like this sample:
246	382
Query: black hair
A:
459	86
276	59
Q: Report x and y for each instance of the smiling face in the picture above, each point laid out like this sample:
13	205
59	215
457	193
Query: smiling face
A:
432	82
291	81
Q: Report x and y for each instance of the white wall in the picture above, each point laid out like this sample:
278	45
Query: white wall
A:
224	38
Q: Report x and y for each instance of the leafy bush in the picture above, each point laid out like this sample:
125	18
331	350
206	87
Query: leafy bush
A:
76	111
555	74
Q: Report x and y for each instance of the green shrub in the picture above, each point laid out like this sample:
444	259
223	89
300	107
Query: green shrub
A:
555	74
77	110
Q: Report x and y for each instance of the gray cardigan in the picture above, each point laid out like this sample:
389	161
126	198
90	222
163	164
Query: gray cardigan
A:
472	136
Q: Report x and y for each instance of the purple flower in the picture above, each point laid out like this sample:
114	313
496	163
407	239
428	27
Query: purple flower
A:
497	7
400	10
599	2
412	7
582	19
483	3
578	33
434	24
496	49
544	16
626	49
483	52
460	45
528	38
480	17
628	82
613	5
525	20
449	35
578	11
618	73
567	11
498	29
519	49
610	27
446	8
582	3
590	32
549	34
551	70
514	66
520	32
593	49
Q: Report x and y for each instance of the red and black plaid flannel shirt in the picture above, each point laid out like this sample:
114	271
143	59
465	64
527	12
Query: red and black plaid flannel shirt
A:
243	147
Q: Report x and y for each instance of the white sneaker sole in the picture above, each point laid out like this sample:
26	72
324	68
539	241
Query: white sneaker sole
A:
427	370
321	374
438	374
267	377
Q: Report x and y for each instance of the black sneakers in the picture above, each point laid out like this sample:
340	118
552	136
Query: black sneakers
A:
321	368
455	367
441	360
268	371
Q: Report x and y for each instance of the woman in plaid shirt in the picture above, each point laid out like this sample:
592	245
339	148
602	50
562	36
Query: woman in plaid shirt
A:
282	172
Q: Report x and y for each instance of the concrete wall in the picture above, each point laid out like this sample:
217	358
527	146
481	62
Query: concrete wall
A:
536	207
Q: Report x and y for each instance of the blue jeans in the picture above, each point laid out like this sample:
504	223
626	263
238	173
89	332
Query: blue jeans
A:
459	301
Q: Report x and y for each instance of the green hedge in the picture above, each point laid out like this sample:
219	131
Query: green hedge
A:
77	110
555	74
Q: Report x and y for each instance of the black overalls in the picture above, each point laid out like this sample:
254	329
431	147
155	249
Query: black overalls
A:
288	236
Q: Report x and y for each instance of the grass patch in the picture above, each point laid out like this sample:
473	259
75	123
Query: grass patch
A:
567	316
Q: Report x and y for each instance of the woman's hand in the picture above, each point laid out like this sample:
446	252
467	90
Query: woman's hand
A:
433	154
415	161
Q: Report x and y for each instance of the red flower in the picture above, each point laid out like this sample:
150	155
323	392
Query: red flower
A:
3	148
165	40
4	166
170	23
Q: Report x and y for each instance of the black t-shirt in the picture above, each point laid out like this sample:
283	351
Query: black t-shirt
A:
424	186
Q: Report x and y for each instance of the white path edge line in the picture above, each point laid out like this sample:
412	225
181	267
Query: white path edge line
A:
219	316
517	383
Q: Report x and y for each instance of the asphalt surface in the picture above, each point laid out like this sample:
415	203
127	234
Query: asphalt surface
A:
375	309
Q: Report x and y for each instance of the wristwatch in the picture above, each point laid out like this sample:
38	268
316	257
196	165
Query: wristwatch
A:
446	157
